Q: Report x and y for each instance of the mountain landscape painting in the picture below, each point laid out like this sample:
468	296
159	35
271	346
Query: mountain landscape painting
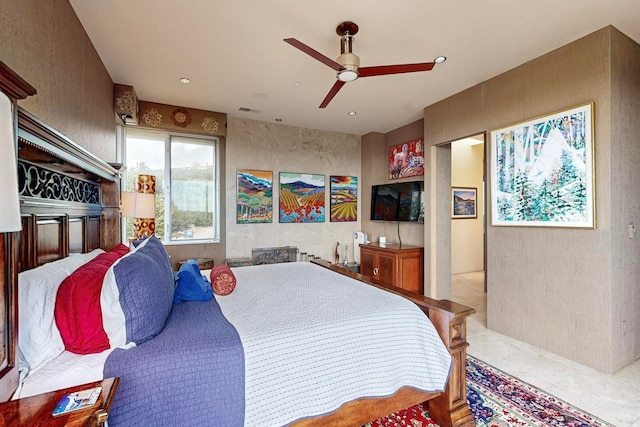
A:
542	171
301	197
344	198
255	197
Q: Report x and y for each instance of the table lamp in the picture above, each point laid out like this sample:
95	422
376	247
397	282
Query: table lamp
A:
141	206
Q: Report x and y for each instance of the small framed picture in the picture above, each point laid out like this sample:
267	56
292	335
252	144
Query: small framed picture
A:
464	202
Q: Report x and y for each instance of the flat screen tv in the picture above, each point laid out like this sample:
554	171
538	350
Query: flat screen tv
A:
398	201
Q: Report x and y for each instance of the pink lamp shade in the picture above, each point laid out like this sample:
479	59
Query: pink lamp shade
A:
9	196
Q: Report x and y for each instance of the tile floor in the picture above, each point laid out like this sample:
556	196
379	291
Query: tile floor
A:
614	398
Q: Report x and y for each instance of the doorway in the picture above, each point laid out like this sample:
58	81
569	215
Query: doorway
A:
468	226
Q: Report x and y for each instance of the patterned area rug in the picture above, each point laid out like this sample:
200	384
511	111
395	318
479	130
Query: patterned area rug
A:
497	399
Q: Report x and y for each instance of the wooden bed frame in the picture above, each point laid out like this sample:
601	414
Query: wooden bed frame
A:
70	204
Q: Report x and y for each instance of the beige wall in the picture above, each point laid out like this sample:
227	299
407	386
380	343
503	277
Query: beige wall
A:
467	234
375	170
563	290
266	146
43	41
625	200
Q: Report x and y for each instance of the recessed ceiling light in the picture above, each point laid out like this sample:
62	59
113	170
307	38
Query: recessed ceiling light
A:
185	80
352	113
440	59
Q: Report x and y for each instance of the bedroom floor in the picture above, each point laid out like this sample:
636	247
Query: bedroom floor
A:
614	398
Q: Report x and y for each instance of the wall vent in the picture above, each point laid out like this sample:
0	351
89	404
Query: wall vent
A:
248	110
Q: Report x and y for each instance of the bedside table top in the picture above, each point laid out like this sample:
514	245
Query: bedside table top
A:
36	410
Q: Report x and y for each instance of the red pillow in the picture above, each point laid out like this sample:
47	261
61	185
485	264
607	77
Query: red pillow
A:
77	310
223	281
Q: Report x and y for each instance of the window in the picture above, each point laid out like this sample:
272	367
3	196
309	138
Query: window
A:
187	191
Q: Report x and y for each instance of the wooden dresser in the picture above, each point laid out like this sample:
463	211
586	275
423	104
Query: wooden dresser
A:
397	265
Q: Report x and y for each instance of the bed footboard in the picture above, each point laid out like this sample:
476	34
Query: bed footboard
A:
450	408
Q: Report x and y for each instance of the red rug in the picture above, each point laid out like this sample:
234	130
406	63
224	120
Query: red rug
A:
497	399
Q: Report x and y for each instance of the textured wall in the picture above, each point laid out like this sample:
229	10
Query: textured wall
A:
625	180
43	41
375	155
279	148
551	287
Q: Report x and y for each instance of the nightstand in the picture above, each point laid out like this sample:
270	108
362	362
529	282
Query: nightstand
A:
36	410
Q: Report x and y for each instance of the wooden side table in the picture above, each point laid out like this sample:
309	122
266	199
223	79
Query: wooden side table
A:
36	410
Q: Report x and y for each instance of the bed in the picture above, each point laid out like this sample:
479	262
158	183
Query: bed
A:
70	216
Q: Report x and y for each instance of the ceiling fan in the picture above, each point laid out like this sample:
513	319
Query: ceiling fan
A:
347	65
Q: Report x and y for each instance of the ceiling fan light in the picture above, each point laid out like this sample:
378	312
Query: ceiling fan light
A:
440	59
347	75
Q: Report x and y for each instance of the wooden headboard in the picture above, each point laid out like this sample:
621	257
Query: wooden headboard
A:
69	199
69	202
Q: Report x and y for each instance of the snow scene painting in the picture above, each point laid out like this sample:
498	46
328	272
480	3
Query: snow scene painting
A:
542	171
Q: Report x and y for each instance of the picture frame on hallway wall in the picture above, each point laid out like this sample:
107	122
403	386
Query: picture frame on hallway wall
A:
344	198
254	197
301	197
542	171
406	160
464	202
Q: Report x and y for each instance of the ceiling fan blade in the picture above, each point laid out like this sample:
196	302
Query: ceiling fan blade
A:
334	89
314	53
394	69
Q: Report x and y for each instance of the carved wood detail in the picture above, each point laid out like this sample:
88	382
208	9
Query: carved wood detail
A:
16	88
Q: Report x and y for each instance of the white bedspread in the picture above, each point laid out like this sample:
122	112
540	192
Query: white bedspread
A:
313	341
317	339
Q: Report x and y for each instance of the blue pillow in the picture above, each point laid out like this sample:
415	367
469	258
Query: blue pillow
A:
191	285
142	281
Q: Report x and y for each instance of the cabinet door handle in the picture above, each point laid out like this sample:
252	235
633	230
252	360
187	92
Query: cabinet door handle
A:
375	271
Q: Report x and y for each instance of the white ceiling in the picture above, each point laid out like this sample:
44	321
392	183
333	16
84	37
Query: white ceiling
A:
234	53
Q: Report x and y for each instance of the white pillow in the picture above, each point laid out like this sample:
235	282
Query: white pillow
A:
38	336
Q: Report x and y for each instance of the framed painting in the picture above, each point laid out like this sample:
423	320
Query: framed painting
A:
406	160
464	202
542	171
254	199
344	198
301	197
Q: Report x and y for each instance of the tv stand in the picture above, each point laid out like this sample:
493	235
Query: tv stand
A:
392	264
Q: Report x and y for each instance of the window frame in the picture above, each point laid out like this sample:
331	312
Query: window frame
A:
166	136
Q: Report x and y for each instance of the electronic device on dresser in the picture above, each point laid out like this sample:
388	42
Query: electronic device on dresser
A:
359	237
398	201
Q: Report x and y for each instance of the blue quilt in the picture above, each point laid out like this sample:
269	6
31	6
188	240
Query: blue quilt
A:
191	374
